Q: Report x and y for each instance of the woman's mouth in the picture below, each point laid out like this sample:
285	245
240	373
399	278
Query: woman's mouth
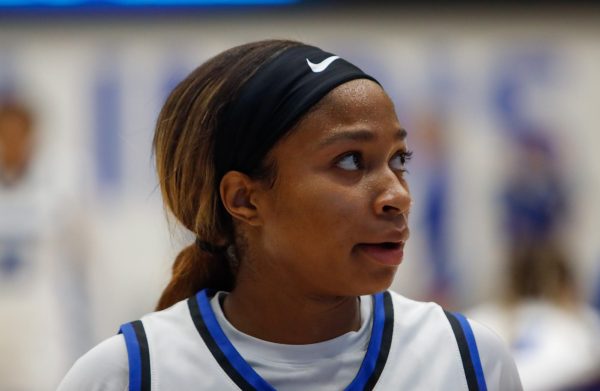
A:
387	253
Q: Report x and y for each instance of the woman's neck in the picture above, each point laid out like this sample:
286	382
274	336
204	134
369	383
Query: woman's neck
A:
279	313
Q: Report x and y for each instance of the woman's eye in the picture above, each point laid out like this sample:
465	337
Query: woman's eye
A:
350	162
399	161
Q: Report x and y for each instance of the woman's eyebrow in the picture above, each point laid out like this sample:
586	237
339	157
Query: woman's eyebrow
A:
358	135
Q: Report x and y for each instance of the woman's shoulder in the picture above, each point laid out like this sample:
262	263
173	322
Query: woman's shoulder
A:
104	367
496	360
413	311
431	319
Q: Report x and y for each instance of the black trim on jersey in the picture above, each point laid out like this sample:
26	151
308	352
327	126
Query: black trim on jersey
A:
238	369
465	355
214	348
386	341
140	333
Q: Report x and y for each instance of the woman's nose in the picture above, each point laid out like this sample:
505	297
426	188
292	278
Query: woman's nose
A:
393	197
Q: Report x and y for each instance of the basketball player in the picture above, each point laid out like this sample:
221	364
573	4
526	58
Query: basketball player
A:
288	164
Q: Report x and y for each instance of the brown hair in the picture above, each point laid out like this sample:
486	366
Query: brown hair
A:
541	271
184	150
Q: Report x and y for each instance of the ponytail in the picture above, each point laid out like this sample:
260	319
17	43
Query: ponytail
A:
184	149
193	270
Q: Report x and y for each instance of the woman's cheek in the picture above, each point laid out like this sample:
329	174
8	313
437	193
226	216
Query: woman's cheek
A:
340	208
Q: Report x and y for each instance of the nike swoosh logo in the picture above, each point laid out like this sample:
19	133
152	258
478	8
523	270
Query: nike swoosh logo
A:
321	66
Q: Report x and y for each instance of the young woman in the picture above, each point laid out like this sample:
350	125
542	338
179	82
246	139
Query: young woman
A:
288	163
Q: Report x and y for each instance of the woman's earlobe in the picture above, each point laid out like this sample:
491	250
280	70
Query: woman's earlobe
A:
236	191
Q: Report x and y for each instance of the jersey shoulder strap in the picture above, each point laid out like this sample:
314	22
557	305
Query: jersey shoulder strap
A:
138	355
468	351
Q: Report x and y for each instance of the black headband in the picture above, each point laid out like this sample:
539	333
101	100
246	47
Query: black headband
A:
273	100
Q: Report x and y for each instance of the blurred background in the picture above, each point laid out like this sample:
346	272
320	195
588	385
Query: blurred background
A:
502	108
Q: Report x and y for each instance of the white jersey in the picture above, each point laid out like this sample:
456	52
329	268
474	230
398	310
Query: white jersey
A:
412	346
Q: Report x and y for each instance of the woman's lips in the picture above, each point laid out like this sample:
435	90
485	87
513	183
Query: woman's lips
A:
388	253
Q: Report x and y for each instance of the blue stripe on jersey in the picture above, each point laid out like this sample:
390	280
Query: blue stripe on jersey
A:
472	350
369	362
230	352
134	356
221	347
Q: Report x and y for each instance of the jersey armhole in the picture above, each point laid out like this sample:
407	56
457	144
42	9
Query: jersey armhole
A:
468	351
137	355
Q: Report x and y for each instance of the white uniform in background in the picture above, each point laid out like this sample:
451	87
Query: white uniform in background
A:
401	345
554	348
40	269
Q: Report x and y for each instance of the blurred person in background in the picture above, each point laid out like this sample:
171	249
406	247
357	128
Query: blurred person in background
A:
40	260
554	335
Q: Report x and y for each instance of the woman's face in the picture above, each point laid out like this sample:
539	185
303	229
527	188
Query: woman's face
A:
335	221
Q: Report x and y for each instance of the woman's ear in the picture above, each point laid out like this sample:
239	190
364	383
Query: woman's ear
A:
237	194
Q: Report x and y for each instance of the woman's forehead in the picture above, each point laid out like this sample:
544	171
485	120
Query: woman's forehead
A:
359	105
352	93
355	101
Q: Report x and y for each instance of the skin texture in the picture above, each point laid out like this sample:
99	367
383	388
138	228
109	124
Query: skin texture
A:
340	185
